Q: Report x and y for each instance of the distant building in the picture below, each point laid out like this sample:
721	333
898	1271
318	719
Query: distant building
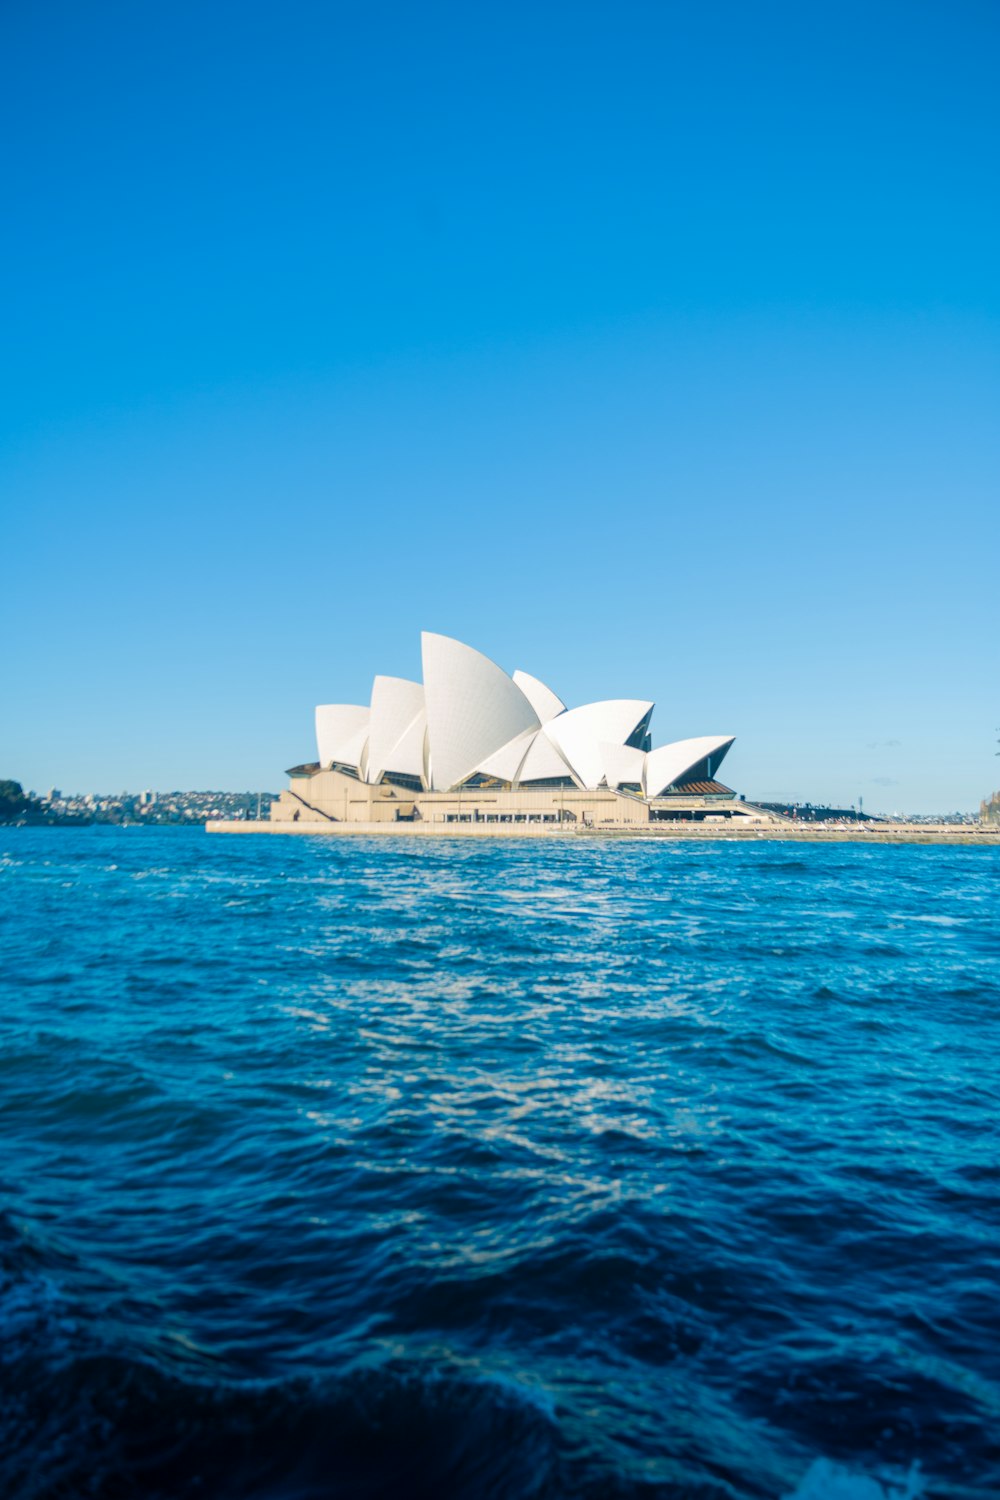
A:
472	744
53	795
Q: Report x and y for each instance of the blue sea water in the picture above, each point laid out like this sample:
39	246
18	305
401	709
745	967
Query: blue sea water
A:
508	1169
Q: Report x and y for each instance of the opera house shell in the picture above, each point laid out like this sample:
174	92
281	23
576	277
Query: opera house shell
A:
471	743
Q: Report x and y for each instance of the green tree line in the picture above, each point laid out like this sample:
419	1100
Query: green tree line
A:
15	806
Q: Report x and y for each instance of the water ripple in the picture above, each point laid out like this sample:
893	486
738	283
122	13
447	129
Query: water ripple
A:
486	1169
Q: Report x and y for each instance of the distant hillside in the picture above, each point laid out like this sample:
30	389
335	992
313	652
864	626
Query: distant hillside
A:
15	807
20	807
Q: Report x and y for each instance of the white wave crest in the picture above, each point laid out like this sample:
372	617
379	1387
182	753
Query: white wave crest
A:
829	1481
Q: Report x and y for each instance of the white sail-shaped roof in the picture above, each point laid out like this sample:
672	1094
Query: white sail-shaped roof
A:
542	699
473	709
669	763
622	763
544	762
341	733
407	756
470	718
580	732
506	763
396	704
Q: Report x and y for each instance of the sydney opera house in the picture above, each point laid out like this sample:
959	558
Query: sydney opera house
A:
471	744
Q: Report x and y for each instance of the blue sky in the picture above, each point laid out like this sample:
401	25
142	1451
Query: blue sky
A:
650	348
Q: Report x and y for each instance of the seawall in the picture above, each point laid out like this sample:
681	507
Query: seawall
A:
882	833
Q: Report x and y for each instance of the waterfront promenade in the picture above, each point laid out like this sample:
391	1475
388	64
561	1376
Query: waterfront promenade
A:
813	833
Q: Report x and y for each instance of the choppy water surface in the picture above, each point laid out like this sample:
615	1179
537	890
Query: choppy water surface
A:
516	1169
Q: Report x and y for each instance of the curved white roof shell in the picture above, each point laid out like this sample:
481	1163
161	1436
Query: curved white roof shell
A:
580	732
341	733
468	717
670	762
542	699
506	763
396	705
623	763
473	709
409	755
544	762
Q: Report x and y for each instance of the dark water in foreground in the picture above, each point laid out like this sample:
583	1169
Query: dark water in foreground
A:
497	1169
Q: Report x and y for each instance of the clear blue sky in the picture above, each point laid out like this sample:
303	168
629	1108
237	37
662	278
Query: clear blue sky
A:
652	348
